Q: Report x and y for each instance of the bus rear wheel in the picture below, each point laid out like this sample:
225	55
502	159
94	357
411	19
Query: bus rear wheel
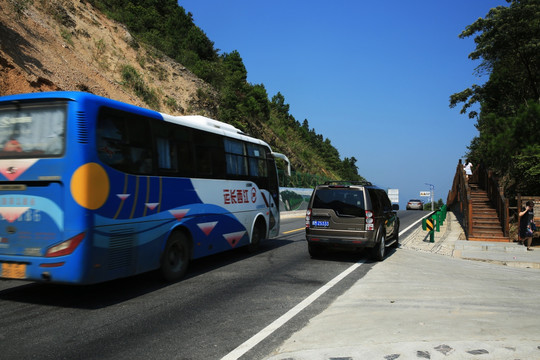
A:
176	256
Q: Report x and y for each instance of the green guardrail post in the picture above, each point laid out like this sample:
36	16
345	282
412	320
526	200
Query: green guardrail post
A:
442	213
429	226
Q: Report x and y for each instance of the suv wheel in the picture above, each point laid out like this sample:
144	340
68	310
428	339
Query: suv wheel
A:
396	237
379	249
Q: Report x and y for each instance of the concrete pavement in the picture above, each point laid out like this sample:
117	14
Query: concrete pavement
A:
430	301
451	241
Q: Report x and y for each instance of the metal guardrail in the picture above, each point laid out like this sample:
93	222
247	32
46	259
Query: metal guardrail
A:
434	222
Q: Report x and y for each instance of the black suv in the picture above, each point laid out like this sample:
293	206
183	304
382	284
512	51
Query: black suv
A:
351	216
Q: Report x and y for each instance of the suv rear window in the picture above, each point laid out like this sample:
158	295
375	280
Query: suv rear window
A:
344	202
379	200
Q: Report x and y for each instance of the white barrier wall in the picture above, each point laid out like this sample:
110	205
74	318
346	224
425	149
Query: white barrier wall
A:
291	199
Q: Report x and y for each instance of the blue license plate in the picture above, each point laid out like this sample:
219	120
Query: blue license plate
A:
319	223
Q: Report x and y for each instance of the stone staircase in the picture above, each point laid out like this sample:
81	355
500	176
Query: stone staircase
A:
485	223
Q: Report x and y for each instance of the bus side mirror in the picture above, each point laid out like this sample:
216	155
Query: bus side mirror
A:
283	157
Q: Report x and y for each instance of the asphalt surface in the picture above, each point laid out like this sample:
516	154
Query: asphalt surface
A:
222	302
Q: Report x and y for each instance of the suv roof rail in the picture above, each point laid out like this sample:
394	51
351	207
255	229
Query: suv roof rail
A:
364	183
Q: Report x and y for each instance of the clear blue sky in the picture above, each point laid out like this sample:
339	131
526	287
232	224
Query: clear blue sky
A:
374	77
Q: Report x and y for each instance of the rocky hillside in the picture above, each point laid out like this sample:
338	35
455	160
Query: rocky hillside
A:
48	45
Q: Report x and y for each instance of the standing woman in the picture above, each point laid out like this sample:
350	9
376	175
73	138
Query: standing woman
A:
468	169
526	225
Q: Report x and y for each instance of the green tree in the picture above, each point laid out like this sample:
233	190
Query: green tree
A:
349	170
167	27
254	105
278	104
241	102
436	205
507	44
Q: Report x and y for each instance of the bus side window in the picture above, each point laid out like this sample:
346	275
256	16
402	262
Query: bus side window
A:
110	142
235	157
123	141
174	149
140	145
209	154
257	160
183	151
167	155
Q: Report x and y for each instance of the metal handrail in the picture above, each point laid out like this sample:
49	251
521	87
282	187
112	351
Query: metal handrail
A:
488	181
460	195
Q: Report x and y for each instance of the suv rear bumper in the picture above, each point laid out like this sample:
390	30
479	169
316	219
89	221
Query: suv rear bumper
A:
342	242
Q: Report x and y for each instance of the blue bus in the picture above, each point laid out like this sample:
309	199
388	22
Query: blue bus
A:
93	189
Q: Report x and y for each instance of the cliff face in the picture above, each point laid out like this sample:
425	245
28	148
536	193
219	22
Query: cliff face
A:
49	45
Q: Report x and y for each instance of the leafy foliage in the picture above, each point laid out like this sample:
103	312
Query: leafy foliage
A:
166	26
508	45
436	205
132	79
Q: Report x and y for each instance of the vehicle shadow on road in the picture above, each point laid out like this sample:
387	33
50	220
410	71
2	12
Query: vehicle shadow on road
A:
113	292
363	255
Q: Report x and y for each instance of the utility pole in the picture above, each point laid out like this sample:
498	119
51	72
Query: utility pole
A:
432	193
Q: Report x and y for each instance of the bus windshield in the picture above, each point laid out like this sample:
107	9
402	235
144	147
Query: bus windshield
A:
32	130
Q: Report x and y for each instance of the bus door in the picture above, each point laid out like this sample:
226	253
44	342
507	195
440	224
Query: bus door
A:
273	187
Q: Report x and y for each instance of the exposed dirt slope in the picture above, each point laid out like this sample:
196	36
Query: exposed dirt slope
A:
69	45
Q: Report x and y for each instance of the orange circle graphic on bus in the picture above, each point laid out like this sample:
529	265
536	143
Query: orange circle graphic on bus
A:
90	186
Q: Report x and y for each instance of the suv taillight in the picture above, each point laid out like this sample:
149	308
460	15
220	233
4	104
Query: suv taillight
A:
369	220
308	217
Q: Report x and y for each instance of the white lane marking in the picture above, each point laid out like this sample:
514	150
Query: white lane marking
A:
264	333
261	335
410	226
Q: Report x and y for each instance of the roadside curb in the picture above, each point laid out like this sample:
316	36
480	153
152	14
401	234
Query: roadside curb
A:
444	240
292	214
451	241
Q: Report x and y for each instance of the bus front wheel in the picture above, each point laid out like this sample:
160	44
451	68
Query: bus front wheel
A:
258	235
175	259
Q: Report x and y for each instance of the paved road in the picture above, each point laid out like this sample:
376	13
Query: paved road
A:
224	301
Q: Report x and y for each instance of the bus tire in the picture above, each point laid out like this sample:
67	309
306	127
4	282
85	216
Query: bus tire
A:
176	256
256	238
